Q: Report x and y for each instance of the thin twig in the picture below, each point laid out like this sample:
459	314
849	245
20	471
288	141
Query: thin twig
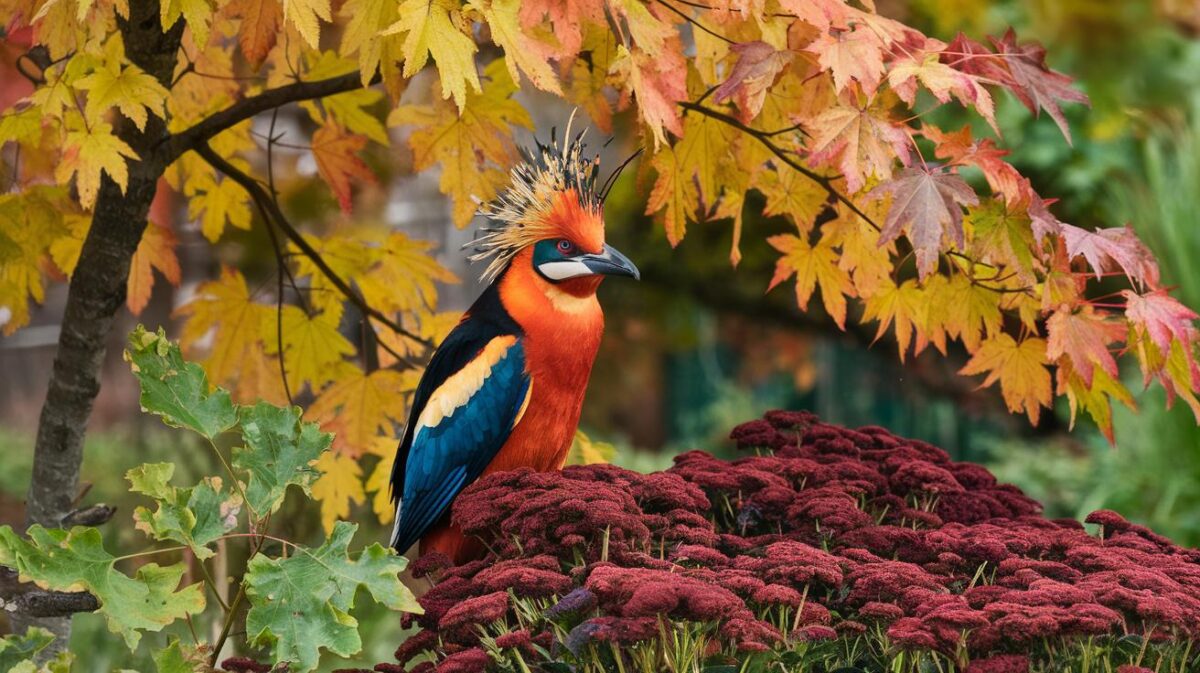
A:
694	22
271	207
824	182
280	264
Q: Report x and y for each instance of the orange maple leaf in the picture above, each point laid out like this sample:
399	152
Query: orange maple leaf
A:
860	142
155	251
334	150
1084	335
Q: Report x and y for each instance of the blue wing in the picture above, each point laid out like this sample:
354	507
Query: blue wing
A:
457	432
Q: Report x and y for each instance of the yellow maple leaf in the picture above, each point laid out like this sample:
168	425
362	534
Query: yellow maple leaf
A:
87	154
589	76
1095	400
971	311
312	346
584	451
433	327
365	20
64	250
197	13
123	86
217	203
338	487
813	266
156	250
900	305
29	223
59	28
358	406
22	126
707	151
474	148
304	15
348	257
1019	367
674	193
869	263
260	378
521	52
405	277
225	309
429	30
379	483
791	193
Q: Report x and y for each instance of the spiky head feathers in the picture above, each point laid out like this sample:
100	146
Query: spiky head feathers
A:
553	193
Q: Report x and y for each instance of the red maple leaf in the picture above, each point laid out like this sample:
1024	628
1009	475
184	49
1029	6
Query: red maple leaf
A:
926	204
1112	249
959	148
756	68
1022	69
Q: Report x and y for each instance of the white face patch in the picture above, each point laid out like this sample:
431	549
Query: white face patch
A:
564	269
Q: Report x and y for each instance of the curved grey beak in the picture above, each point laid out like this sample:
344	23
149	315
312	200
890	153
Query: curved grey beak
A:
610	262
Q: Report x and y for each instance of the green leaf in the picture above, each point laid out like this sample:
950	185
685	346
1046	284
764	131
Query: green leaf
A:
61	663
279	451
176	390
301	604
76	560
15	649
172	660
194	516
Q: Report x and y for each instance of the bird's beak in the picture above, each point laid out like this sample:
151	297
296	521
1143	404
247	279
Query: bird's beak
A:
610	262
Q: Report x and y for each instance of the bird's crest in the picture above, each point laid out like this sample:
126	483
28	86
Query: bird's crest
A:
520	216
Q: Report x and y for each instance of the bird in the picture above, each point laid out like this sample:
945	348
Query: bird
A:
505	388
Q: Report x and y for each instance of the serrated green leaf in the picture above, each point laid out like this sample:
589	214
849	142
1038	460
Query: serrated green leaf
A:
301	604
279	451
195	516
171	659
14	649
61	663
76	560
177	390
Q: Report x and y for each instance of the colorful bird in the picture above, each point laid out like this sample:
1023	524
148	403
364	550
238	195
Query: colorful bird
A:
505	388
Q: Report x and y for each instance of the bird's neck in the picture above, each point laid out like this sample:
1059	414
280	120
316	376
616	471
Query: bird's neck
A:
562	322
544	308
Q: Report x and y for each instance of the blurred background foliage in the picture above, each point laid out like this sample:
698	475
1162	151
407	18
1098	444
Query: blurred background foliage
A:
697	347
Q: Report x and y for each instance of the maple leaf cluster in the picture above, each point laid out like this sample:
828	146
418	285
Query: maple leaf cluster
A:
813	104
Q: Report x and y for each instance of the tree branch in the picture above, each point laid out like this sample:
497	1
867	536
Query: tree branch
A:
89	516
271	208
199	134
765	138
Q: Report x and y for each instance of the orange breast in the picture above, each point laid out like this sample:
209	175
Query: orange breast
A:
562	328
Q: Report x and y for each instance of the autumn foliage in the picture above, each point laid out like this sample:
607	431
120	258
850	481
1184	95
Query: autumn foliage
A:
828	547
820	106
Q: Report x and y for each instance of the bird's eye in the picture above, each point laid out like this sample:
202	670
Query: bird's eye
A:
565	246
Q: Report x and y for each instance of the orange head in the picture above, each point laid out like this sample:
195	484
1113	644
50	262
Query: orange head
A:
549	222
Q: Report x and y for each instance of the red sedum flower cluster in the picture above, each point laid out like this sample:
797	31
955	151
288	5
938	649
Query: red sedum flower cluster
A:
824	534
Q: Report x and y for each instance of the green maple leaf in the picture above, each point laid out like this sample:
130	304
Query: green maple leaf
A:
172	659
302	603
14	649
177	390
279	451
195	516
76	560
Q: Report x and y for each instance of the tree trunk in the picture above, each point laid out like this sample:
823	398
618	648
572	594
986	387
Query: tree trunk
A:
96	293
